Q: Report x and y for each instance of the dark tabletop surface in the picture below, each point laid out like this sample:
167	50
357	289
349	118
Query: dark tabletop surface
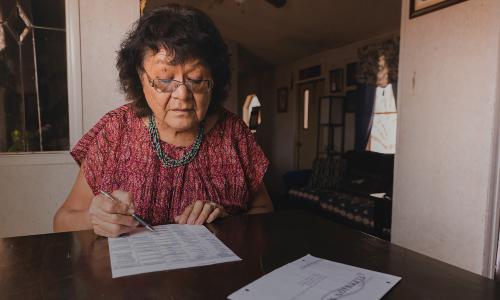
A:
76	265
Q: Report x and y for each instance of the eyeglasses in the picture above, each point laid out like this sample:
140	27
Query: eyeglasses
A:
198	86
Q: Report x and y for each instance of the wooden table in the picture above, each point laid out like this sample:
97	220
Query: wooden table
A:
76	265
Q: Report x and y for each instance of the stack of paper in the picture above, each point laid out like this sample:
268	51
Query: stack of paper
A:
170	247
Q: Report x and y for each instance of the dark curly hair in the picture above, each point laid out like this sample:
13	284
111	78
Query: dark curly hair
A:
186	32
369	56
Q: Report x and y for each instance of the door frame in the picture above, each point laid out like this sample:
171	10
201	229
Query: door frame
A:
491	256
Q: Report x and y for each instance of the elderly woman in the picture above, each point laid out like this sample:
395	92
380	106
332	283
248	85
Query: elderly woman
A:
172	154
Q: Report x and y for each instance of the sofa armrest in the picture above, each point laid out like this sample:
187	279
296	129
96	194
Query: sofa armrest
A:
299	178
382	214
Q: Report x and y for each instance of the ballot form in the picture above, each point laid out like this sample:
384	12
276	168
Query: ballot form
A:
172	246
311	277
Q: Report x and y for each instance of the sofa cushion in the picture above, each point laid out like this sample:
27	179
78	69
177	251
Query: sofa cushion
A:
372	162
367	172
299	178
305	194
365	183
357	209
327	173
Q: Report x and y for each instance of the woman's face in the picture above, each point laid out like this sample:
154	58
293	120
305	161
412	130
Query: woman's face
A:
180	109
383	72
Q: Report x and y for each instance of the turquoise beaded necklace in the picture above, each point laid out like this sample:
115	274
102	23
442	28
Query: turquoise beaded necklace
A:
167	161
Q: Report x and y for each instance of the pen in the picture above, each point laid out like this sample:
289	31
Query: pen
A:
136	217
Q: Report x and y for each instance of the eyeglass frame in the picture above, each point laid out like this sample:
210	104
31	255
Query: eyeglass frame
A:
188	84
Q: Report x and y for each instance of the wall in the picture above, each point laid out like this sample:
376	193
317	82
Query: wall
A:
448	80
103	25
34	187
31	194
256	76
231	103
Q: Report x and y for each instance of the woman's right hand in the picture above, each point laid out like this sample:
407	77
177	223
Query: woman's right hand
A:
112	218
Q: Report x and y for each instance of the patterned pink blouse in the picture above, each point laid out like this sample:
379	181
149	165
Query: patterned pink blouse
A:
118	155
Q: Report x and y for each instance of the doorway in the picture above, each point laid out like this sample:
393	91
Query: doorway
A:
307	127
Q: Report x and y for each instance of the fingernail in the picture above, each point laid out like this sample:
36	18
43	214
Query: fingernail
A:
190	222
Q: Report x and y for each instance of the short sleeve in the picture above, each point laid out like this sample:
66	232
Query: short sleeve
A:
253	159
98	148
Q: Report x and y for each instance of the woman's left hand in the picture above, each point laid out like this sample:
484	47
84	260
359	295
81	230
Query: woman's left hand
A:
201	212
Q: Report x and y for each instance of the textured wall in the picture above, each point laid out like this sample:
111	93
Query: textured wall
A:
231	103
31	194
448	93
103	25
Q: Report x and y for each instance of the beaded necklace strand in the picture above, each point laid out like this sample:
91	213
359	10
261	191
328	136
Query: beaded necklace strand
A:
167	161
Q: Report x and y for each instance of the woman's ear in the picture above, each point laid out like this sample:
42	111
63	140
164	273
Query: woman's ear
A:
140	72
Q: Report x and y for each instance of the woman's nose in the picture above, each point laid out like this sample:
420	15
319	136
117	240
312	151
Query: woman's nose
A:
182	92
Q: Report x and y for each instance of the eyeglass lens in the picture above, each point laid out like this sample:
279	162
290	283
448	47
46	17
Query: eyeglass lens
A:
195	86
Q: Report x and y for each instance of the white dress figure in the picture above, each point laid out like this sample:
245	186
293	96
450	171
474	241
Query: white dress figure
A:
383	132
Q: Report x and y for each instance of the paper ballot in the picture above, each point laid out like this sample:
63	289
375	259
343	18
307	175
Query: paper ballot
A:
172	246
314	278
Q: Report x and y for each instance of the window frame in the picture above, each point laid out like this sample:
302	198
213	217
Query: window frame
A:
72	16
306	104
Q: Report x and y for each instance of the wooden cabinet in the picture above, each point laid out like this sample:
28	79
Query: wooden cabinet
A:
331	126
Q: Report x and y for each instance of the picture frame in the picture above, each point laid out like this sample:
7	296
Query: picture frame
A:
422	7
282	100
336	80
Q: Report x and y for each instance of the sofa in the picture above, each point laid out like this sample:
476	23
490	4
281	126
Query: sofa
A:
343	188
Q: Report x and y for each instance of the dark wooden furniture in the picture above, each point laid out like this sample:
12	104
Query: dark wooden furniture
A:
76	265
340	189
331	126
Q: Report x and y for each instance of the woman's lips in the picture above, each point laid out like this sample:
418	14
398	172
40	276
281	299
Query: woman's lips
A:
182	109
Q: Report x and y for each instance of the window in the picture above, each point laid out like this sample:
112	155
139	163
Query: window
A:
34	107
252	114
306	109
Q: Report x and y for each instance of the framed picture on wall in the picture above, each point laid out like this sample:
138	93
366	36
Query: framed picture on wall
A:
282	100
336	80
422	7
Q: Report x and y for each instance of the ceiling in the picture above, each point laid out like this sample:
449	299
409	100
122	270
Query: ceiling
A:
301	27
